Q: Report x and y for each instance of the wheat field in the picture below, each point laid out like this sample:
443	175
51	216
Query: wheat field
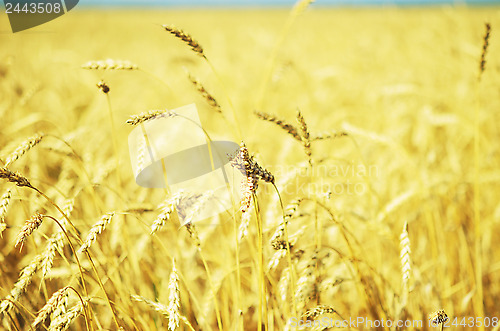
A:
372	136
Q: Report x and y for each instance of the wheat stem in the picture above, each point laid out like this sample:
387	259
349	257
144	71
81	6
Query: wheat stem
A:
299	7
479	298
76	259
114	134
262	292
104	290
194	235
289	253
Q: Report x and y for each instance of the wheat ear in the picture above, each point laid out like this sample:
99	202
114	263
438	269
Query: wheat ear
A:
277	240
103	87
438	317
405	256
15	177
174	300
110	64
23	148
148	115
289	128
249	186
248	167
95	230
245	222
317	311
162	309
54	302
205	94
29	227
253	172
4	207
20	286
167	208
178	33
305	137
276	258
56	243
62	322
482	62
306	285
327	135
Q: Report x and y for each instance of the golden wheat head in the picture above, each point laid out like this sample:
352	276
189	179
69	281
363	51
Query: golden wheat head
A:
482	62
29	227
54	302
14	177
24	148
405	255
174	300
178	33
149	115
110	64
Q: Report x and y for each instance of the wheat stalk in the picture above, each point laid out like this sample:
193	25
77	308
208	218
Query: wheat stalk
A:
283	284
327	135
276	258
4	207
186	202
438	317
298	9
103	87
167	208
205	94
148	115
162	309
174	299
289	128
305	137
300	6
54	302
317	311
482	62
277	240
20	286
29	227
196	207
63	321
56	243
110	64
405	256
95	230
249	186
248	167
306	283
23	148
245	222
191	229
68	206
15	177
252	171
178	33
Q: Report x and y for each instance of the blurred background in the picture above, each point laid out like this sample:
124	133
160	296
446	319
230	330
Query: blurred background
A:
401	80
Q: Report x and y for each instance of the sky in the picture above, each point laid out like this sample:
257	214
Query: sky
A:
236	3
